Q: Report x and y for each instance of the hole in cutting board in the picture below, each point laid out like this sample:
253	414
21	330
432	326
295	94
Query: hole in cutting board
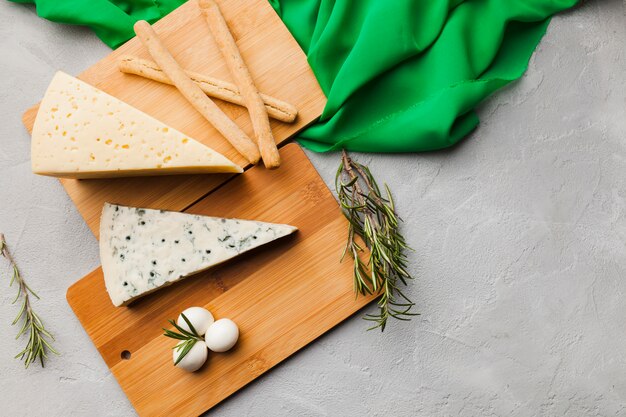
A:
125	355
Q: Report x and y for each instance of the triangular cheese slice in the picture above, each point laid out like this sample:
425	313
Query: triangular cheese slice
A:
142	250
82	132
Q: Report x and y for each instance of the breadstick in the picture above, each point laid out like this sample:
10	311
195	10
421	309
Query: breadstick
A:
243	79
200	101
214	87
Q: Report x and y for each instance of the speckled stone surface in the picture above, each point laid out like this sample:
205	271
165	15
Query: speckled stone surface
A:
519	237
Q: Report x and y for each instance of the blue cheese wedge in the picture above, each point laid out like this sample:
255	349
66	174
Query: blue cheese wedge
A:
82	132
142	250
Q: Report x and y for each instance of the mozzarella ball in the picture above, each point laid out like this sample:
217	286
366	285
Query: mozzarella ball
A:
200	319
194	359
222	335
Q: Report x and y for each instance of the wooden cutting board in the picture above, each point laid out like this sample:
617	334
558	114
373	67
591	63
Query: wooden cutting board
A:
276	62
282	296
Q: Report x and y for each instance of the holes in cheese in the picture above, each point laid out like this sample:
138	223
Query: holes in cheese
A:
82	132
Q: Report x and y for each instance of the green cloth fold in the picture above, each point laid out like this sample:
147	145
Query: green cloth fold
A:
111	20
400	75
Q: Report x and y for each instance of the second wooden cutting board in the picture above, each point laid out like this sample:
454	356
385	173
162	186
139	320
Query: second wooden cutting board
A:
282	296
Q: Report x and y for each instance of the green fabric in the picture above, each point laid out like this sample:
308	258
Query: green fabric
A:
405	75
111	20
400	75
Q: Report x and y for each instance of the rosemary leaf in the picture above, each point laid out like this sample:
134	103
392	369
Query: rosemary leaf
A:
373	218
39	339
193	330
186	347
189	338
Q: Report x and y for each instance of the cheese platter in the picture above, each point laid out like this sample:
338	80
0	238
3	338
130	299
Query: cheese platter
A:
259	246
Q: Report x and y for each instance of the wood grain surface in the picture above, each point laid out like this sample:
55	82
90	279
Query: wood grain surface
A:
282	296
276	62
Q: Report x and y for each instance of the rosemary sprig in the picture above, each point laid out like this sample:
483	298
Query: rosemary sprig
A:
39	339
189	338
373	218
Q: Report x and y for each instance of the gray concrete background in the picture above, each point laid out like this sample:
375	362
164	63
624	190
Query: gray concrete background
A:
520	261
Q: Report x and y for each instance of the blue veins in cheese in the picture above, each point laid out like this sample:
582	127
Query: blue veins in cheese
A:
82	132
143	250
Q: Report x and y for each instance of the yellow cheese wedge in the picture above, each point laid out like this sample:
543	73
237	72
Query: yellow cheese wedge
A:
82	132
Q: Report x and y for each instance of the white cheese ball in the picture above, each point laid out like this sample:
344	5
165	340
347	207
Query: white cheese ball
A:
200	319
194	359
222	335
